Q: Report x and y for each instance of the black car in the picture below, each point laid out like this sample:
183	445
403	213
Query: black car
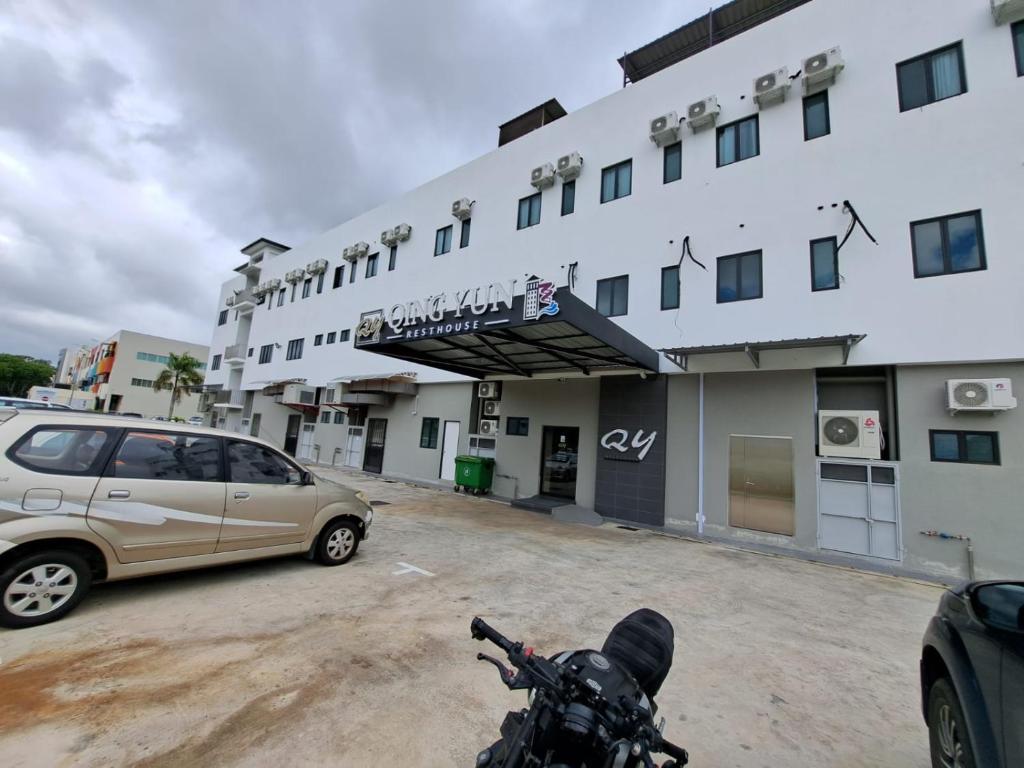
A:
972	677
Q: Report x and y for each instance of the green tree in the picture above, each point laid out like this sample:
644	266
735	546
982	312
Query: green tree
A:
180	376
18	373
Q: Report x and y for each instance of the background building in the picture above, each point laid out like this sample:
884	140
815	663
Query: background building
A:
797	208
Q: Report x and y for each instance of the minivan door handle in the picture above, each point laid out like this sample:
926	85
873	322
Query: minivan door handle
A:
118	494
241	495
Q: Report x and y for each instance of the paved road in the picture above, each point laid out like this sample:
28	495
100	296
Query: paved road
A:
778	662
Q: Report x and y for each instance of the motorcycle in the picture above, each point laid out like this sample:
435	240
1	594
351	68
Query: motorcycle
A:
588	709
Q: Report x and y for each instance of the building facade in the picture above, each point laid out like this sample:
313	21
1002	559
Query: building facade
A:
788	319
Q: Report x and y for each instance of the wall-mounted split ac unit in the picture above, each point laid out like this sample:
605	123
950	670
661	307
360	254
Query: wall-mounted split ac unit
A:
229	301
488	426
665	129
489	390
402	232
492	408
273	284
294	275
1005	11
462	208
820	70
979	395
702	113
771	88
317	267
542	176
298	394
569	166
850	434
387	237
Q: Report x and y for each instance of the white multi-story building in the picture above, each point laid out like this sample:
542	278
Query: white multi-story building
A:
767	292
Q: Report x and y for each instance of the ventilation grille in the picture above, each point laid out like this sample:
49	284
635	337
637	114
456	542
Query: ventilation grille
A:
970	394
840	430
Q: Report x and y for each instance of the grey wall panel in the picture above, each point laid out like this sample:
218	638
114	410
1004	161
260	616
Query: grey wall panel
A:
681	449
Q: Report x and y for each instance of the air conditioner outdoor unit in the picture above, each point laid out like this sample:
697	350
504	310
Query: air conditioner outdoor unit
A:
665	129
488	426
771	88
462	208
488	390
317	267
387	237
246	422
402	232
569	166
492	408
702	113
542	176
1005	11
229	301
298	394
361	249
293	275
348	254
980	395
273	284
849	434
820	70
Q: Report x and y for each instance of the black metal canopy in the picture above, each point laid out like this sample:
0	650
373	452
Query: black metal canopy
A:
680	355
507	343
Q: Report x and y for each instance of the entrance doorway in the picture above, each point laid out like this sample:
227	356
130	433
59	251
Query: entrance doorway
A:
291	433
354	447
449	449
306	443
559	460
376	431
761	494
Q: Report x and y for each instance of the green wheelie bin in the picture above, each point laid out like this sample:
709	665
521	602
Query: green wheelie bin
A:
474	473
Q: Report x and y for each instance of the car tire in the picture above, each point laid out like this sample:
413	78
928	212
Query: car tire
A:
948	738
338	543
24	599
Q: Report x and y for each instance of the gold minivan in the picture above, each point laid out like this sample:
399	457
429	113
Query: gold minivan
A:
85	498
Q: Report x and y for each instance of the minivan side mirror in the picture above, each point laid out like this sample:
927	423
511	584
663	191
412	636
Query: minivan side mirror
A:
307	477
1000	605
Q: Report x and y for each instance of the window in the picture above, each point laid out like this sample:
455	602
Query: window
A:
249	353
672	164
331	337
280	297
948	244
824	264
61	450
616	181
251	463
613	296
292	297
307	286
215	363
816	117
149	357
392	258
670	287
222	318
568	197
325	417
464	235
294	349
428	433
320	282
443	240
964	447
738	141
266	353
518	426
318	340
529	212
933	77
339	417
739	277
146	383
339	276
167	456
1017	30
343	335
371	265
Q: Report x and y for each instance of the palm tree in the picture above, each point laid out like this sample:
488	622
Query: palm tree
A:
180	376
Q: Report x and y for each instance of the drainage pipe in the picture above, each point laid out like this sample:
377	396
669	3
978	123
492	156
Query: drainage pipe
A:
700	455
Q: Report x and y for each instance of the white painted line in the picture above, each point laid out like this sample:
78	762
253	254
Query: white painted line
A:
406	568
496	322
396	336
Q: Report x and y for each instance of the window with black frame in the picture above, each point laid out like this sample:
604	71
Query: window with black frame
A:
964	446
1018	46
739	277
392	258
931	77
339	276
518	426
266	353
443	240
529	211
947	245
817	121
464	234
824	264
568	197
670	287
295	349
371	264
738	141
428	432
613	296
672	163
617	181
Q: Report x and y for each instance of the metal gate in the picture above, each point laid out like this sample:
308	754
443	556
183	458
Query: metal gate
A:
373	459
859	508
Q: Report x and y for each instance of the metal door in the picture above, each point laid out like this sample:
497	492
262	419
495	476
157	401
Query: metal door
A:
761	493
376	432
354	447
559	461
858	508
291	434
449	449
306	443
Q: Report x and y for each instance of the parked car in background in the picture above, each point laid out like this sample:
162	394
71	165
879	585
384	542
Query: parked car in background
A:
972	677
89	497
25	403
195	421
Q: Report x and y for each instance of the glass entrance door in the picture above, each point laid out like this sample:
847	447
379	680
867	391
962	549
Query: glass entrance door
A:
559	454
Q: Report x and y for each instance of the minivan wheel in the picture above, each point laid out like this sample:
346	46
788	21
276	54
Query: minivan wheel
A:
947	729
338	543
42	587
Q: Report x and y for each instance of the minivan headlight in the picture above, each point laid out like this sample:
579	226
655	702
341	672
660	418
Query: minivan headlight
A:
361	495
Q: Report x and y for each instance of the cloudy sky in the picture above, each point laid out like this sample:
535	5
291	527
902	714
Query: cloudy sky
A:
142	143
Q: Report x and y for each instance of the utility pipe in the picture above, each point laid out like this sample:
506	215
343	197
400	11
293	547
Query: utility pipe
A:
700	455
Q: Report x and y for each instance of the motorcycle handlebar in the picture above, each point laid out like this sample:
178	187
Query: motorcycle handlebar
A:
680	755
483	631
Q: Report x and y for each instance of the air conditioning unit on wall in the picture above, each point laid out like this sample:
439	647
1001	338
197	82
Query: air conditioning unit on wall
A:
492	408
387	237
980	395
569	166
489	390
488	426
849	434
1005	11
820	70
665	129
771	88
462	208
402	232
543	176
702	113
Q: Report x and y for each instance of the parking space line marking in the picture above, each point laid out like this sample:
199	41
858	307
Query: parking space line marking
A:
406	568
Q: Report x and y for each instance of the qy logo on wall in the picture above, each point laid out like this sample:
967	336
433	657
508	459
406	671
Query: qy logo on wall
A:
618	439
539	299
369	328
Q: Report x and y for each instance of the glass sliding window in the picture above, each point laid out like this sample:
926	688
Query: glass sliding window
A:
964	447
215	363
331	337
306	285
613	296
222	318
672	163
280	297
392	258
266	353
352	273
568	197
670	287
1018	46
443	240
295	349
339	276
343	335
617	181
739	277
932	77
824	264
371	264
318	340
529	212
816	117
948	244
428	432
320	283
738	141
464	234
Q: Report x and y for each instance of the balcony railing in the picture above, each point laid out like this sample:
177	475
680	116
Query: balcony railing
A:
244	301
234	355
227	398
